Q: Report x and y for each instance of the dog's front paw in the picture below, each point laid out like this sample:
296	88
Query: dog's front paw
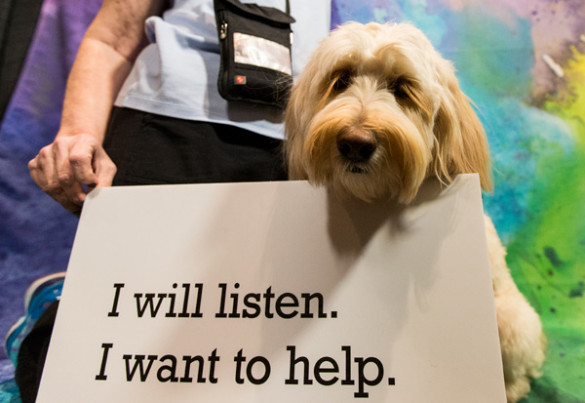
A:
521	337
522	342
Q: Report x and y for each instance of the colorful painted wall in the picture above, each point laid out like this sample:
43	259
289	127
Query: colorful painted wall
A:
521	61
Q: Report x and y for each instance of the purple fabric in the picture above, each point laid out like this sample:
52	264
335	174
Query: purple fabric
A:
35	232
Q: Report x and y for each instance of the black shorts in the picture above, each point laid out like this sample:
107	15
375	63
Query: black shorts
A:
154	149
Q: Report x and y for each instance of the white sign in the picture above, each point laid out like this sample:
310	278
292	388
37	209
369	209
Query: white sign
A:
276	292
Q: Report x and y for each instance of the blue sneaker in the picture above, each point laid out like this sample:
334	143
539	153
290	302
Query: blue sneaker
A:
39	295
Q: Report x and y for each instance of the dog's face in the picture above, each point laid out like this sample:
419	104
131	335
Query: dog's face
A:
376	111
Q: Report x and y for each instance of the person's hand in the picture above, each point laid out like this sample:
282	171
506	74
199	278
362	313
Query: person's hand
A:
70	167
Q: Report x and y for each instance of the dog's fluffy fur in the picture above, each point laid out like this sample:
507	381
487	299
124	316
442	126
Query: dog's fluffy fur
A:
376	111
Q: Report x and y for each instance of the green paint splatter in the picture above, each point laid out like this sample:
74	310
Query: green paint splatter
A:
557	208
578	291
552	256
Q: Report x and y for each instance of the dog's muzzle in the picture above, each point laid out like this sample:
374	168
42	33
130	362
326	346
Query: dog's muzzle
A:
356	147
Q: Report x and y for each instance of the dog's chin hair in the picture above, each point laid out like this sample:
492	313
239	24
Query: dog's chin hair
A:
363	186
362	181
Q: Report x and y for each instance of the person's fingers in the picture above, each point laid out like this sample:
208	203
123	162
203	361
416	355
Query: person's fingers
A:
104	167
35	168
81	158
43	172
69	166
62	198
67	163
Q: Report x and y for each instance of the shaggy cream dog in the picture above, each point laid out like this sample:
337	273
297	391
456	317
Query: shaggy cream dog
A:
376	111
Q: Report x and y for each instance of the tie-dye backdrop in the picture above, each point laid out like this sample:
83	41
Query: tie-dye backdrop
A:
521	61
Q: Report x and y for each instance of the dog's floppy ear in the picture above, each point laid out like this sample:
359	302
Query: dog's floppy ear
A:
295	130
460	141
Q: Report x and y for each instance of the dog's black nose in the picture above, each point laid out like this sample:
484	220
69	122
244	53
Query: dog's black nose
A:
356	149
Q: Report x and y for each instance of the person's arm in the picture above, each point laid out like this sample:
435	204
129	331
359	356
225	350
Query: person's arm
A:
106	55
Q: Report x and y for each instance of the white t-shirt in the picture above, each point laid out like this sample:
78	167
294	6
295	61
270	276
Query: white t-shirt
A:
176	74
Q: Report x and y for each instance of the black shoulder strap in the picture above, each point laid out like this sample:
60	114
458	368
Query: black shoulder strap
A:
287	5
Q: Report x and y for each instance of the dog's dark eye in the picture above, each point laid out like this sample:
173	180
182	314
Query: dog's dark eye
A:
399	88
342	81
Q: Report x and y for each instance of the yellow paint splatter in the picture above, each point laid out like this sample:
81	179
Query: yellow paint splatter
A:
569	102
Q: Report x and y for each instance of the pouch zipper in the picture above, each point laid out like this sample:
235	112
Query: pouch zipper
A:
223	30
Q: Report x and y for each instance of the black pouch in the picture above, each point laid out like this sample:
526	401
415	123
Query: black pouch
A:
255	47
